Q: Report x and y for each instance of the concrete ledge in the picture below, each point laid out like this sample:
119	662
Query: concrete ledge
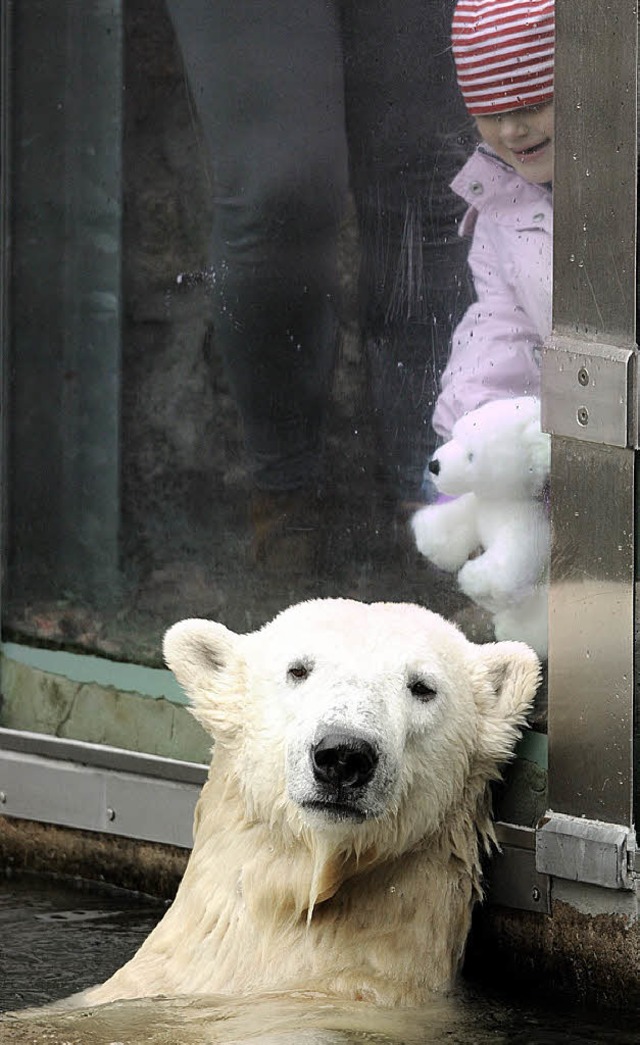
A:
592	958
145	867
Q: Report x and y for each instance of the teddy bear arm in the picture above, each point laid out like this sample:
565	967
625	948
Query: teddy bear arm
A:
510	567
446	534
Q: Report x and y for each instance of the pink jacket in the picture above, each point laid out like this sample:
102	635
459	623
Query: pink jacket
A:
495	347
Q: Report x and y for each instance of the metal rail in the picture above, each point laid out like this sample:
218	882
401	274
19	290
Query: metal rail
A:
96	788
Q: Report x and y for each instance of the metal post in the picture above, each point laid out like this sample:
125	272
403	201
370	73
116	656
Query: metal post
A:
590	395
66	298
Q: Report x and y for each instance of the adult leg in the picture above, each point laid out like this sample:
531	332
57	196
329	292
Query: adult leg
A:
408	135
266	79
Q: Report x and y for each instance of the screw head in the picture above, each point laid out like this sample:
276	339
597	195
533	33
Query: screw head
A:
3	797
111	814
536	894
582	416
583	376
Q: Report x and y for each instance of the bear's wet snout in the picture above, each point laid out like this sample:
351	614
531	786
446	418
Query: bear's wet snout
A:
343	760
434	466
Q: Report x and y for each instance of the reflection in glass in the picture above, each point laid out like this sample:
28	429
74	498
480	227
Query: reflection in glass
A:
234	287
490	521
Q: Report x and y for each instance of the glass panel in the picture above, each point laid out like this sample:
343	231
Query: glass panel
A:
233	290
237	271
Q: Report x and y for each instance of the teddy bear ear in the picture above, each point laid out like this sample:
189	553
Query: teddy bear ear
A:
205	658
510	675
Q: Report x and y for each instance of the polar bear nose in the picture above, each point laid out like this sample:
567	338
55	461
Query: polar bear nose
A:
343	760
434	466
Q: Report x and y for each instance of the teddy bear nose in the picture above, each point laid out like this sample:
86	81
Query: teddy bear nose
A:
343	760
434	466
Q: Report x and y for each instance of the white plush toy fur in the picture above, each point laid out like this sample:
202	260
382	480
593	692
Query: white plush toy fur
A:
496	465
337	842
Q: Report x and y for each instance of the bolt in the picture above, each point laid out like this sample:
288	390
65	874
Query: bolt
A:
583	376
111	814
3	798
536	894
582	416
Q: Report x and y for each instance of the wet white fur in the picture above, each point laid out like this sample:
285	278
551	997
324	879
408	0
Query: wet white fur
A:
278	899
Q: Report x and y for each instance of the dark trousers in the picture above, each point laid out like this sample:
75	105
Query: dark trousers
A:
301	101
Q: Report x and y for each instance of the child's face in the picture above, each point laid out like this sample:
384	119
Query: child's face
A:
523	138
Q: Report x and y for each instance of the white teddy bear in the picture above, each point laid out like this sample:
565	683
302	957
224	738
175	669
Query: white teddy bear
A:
496	466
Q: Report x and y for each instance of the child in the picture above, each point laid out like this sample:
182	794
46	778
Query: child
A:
503	50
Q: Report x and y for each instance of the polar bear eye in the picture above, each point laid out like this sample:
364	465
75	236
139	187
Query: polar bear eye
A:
421	690
299	670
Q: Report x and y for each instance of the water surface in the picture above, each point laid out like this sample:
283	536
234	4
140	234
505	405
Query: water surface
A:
58	937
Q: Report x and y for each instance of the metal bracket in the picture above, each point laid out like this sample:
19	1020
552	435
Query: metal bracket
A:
586	851
589	391
512	878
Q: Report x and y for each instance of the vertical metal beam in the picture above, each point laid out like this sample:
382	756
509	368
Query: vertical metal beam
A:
66	297
591	601
90	472
595	175
591	640
6	11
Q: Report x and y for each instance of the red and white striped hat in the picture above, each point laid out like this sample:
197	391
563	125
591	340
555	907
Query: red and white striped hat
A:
503	51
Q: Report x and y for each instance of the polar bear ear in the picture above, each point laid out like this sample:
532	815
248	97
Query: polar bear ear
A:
205	658
510	675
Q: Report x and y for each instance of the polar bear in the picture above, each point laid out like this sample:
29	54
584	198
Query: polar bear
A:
337	841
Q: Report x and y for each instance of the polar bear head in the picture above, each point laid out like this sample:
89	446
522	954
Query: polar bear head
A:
496	451
365	725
